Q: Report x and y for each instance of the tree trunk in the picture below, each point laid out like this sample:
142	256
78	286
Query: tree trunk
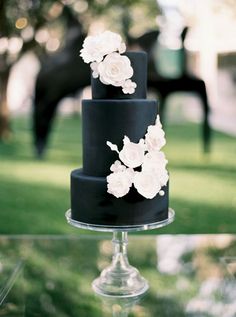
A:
4	111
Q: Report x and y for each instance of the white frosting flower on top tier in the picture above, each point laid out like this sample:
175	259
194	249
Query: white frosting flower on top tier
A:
96	47
113	42
103	52
115	69
128	87
93	49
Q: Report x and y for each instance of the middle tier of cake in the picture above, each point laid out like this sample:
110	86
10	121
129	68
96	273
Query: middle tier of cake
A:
111	120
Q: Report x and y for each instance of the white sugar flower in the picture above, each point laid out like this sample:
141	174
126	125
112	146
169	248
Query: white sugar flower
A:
129	87
162	176
146	184
132	154
115	69
93	49
154	161
117	167
119	183
155	138
103	52
96	47
112	42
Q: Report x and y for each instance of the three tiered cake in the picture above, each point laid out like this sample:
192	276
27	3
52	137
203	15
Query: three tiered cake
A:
123	180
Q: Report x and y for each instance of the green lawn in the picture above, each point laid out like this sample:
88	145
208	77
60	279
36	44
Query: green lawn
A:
34	195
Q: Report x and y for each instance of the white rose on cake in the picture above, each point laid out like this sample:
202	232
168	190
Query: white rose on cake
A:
115	69
93	49
147	184
129	87
155	163
104	51
119	183
117	167
112	42
154	160
155	138
147	154
96	47
132	154
162	176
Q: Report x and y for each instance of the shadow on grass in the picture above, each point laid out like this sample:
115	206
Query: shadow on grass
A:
30	208
64	145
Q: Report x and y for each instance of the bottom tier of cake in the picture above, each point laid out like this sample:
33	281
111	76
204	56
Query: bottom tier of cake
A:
90	203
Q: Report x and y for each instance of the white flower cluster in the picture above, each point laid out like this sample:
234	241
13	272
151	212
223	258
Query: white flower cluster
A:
103	52
153	175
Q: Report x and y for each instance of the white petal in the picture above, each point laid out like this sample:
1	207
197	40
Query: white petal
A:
146	184
122	48
141	142
117	167
126	140
94	66
131	173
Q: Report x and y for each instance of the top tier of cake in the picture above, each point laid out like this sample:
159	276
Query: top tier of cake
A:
139	64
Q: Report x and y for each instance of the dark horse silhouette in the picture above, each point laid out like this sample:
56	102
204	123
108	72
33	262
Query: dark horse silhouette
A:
184	83
65	74
62	74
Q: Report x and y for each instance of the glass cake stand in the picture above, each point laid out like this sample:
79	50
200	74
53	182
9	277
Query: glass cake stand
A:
120	279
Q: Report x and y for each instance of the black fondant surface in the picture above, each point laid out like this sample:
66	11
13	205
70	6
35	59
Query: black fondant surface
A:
90	203
111	120
139	64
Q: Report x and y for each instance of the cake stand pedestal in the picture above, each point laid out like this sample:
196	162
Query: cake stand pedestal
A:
120	279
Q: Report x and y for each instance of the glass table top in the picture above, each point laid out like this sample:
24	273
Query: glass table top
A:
189	276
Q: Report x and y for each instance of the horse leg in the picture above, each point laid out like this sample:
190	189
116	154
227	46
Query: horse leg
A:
43	115
206	110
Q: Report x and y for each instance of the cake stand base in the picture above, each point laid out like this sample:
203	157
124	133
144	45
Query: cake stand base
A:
120	279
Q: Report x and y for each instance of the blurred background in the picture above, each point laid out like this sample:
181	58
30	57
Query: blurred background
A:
190	276
191	48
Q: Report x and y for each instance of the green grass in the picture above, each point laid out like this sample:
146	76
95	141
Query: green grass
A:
34	195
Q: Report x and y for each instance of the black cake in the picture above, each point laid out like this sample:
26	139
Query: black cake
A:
109	116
